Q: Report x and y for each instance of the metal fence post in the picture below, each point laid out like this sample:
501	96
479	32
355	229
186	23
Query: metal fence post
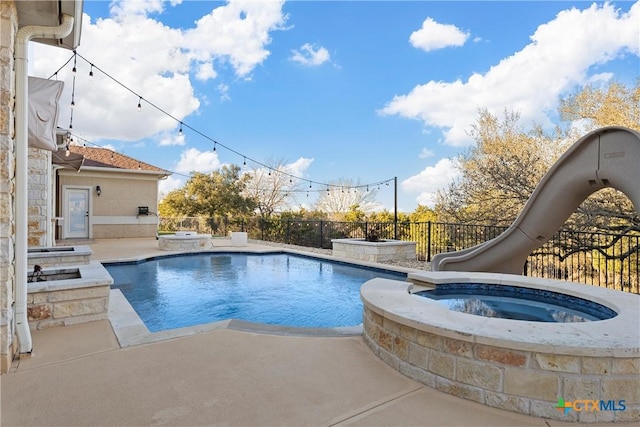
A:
429	241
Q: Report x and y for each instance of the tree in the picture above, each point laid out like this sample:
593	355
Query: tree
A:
613	104
501	171
341	196
215	195
271	188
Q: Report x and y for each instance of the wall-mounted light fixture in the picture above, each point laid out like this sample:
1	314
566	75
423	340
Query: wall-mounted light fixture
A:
98	190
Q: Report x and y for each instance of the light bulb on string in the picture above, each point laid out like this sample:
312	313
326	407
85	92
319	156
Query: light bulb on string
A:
91	71
140	104
180	131
214	146
73	103
74	64
68	152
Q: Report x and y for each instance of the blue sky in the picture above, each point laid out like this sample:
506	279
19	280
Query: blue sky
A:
338	91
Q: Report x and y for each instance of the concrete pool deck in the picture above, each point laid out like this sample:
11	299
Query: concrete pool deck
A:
79	375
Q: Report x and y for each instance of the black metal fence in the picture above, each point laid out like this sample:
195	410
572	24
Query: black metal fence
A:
599	259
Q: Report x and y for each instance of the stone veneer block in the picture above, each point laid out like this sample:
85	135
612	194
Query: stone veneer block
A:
479	374
626	366
579	387
506	402
557	362
528	382
621	388
460	390
500	355
442	364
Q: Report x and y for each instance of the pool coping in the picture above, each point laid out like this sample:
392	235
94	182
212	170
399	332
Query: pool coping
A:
130	329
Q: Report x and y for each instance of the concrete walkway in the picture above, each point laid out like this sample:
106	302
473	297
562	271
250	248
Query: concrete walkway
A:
79	376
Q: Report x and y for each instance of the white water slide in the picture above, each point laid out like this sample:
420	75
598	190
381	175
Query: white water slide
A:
607	157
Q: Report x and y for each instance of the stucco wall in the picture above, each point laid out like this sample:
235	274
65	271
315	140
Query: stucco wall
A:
8	30
114	213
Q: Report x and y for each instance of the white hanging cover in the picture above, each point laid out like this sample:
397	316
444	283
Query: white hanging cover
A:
43	112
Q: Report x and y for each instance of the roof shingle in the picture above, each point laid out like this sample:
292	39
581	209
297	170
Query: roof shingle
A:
105	158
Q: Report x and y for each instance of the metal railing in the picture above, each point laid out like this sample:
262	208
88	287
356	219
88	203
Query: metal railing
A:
598	259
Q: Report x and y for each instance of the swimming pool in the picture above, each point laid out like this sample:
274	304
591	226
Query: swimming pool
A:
277	289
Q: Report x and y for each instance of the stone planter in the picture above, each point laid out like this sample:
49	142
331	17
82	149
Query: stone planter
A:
383	250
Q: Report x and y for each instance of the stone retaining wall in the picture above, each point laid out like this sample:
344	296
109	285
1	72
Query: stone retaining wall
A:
71	301
527	382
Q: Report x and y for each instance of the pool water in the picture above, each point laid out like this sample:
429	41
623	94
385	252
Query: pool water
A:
277	289
512	302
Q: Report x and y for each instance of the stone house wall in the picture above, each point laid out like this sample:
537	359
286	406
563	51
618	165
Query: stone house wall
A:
8	31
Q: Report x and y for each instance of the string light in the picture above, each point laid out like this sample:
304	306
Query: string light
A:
73	92
181	132
68	152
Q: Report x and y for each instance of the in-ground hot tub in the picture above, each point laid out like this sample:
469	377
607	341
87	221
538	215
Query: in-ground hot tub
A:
516	365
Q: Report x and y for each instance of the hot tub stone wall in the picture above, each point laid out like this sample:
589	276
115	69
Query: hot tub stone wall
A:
519	381
184	243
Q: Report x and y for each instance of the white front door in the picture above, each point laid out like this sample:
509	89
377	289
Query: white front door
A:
76	215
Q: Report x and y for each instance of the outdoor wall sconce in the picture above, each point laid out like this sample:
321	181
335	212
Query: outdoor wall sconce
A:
98	190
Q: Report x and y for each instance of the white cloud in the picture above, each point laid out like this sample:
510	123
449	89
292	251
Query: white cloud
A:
559	57
171	138
194	160
434	35
430	180
236	32
157	62
299	167
310	55
426	153
223	89
169	184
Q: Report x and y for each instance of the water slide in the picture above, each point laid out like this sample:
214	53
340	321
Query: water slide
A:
607	157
